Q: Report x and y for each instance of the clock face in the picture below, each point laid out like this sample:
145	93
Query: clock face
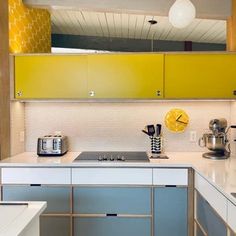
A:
176	120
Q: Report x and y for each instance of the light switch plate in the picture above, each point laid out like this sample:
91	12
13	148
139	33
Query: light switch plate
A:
193	136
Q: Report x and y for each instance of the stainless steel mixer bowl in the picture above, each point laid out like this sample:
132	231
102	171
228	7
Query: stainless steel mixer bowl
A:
215	142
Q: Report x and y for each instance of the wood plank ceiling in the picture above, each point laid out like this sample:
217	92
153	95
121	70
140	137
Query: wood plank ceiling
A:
135	26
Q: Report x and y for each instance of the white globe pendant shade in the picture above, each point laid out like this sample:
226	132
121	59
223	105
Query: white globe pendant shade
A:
182	13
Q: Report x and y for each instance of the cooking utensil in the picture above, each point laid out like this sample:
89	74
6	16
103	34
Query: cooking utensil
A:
151	130
144	131
158	129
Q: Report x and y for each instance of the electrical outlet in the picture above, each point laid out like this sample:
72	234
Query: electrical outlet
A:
193	136
22	136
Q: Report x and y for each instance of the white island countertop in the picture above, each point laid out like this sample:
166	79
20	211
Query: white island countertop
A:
20	218
220	173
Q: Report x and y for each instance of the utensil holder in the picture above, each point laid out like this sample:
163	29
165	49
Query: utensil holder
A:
156	144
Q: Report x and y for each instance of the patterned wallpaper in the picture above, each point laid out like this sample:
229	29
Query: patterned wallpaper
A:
29	29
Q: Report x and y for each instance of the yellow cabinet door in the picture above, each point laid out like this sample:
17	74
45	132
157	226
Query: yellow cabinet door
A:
200	76
50	77
127	76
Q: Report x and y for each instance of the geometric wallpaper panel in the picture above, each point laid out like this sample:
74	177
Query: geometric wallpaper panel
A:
29	29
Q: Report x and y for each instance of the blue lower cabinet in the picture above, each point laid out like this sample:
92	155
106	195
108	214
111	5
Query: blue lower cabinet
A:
212	224
231	233
55	226
58	198
170	211
112	200
112	226
199	231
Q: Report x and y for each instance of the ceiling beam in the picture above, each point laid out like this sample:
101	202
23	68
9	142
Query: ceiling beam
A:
206	9
4	82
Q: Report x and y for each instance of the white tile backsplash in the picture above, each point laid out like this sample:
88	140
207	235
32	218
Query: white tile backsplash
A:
17	127
117	126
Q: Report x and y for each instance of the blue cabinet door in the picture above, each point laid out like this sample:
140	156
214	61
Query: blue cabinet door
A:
170	211
208	219
112	226
199	231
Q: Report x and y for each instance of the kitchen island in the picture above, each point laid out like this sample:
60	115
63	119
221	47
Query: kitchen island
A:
213	182
20	218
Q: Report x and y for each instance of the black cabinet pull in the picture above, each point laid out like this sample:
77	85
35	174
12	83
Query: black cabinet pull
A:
35	185
114	215
170	186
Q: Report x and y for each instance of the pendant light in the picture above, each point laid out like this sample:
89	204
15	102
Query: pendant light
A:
182	13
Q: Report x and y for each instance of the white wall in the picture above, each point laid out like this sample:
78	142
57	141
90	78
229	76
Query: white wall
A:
233	131
117	126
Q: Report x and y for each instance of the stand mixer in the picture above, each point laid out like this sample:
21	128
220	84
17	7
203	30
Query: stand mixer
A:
217	141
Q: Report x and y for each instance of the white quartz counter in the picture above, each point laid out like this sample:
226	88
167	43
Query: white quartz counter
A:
220	173
20	219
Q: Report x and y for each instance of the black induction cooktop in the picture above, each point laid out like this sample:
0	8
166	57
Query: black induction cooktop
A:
113	156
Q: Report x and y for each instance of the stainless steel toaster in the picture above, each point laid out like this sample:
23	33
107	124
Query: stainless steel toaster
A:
52	145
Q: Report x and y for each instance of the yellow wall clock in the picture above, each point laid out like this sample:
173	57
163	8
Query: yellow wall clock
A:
176	120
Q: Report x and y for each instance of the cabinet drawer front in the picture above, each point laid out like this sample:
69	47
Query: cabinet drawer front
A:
112	226
36	175
96	200
54	226
134	176
212	195
212	224
232	216
170	177
57	198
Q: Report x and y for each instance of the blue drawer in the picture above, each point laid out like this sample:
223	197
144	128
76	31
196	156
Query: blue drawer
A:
57	198
112	226
55	226
105	200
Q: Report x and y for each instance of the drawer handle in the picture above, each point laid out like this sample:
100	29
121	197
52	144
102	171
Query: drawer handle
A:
35	185
170	186
113	215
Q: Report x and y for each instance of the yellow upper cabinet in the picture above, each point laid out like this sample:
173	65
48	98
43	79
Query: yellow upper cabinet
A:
200	76
50	76
125	76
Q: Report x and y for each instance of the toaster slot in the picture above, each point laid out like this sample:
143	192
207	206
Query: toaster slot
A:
55	144
44	144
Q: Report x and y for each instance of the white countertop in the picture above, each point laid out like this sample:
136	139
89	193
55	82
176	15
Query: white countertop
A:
15	218
220	173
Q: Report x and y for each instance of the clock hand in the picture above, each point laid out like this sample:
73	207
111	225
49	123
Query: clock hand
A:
181	122
178	117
